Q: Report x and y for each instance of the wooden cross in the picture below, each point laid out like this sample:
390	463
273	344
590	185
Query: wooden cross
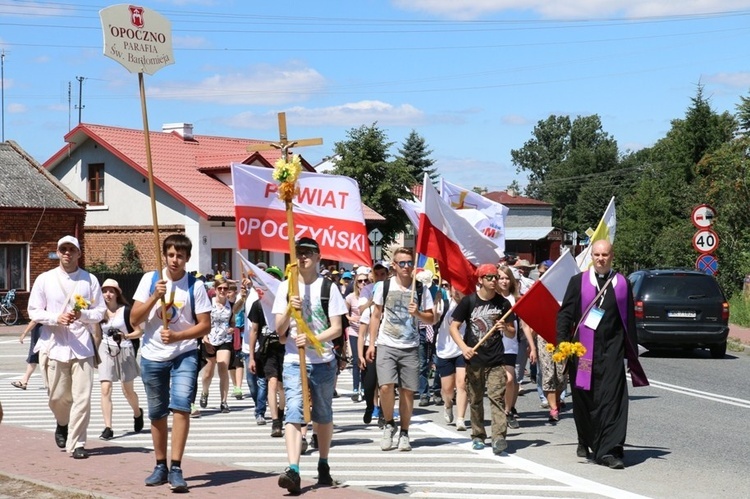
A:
284	144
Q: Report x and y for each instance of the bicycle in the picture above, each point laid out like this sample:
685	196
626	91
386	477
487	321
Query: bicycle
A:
8	311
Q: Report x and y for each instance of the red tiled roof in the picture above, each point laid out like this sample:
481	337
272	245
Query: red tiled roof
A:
178	164
516	200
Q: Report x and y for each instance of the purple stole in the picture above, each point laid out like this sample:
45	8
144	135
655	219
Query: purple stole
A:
586	334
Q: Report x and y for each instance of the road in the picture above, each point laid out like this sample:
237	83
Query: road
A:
687	435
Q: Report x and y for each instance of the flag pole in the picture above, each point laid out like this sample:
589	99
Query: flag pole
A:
152	194
491	331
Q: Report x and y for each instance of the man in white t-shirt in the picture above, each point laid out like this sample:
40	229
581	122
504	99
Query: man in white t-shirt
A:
170	357
67	301
321	367
393	329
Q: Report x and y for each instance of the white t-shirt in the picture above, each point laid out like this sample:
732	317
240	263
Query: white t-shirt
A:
365	319
445	347
179	313
511	344
314	316
398	329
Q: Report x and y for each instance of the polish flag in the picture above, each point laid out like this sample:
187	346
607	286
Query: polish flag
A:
539	306
452	241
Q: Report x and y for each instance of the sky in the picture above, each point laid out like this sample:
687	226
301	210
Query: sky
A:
472	77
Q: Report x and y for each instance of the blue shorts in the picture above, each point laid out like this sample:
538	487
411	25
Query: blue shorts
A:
171	384
447	367
322	380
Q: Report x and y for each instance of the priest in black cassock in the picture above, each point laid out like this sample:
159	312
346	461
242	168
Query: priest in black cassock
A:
598	311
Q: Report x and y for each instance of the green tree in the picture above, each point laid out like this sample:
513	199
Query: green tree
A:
364	157
415	156
743	115
130	260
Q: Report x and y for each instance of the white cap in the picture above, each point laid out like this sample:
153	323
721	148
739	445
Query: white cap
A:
363	270
69	240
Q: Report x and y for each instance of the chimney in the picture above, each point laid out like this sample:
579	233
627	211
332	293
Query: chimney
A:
511	192
185	130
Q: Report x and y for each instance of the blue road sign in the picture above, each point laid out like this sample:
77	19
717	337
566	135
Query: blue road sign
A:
707	263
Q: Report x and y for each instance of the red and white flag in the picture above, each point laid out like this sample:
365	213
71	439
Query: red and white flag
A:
539	306
456	245
328	209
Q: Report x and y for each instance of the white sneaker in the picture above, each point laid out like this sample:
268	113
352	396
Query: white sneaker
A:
460	424
448	414
403	443
387	441
544	404
194	411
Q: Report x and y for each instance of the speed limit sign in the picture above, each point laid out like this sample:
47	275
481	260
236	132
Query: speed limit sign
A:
705	241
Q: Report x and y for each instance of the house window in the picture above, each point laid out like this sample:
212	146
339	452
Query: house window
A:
12	266
255	256
221	261
96	184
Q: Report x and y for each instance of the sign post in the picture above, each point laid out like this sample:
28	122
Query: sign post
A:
141	40
705	240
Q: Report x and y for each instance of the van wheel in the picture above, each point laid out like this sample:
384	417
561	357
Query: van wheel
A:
719	351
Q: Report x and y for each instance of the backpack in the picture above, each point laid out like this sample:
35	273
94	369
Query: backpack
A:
446	304
339	344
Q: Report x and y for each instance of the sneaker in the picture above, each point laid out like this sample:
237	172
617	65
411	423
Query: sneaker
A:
387	441
237	393
107	434
582	451
194	411
61	435
204	400
303	447
336	394
544	404
355	397
138	422
276	428
424	401
499	445
260	420
512	421
554	415
290	481
80	453
324	475
158	477
477	444
176	482
437	399
612	462
224	407
460	424
314	442
448	415
403	443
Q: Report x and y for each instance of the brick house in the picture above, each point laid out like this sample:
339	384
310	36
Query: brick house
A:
35	211
107	167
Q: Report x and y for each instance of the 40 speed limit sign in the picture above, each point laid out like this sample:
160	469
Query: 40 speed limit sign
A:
705	241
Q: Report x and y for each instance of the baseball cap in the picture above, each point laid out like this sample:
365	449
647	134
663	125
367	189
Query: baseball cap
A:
346	275
308	242
363	270
276	272
382	264
69	240
262	265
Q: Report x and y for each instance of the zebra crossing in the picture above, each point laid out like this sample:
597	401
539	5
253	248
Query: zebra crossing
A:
441	464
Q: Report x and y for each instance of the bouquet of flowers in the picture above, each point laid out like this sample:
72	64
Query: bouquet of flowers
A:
80	303
565	350
286	173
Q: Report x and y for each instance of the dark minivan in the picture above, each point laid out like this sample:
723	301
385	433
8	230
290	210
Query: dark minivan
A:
680	309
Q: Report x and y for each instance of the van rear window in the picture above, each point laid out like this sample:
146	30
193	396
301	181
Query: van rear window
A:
684	286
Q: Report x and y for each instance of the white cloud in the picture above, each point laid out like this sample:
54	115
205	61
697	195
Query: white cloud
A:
740	79
259	85
570	9
350	114
42	59
515	119
58	107
16	108
472	172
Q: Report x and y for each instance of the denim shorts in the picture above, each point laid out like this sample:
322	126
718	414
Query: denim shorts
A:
322	380
170	384
447	367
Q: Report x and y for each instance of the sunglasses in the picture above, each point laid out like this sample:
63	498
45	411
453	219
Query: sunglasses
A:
306	253
222	288
491	277
405	263
362	280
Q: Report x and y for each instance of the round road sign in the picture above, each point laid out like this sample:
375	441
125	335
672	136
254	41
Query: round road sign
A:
703	216
705	241
708	264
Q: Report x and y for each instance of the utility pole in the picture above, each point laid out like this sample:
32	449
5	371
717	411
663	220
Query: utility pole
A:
69	103
80	105
2	91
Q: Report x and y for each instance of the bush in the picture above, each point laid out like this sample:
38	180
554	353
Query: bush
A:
739	310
